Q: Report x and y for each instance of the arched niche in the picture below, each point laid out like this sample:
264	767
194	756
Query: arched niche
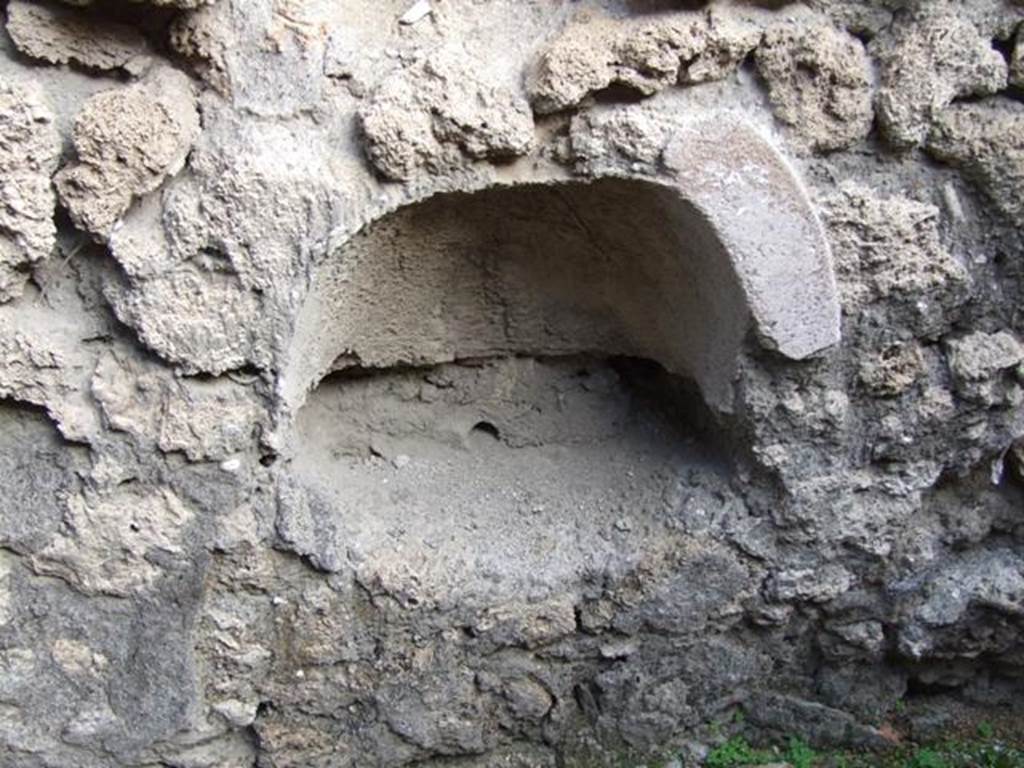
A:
565	339
677	268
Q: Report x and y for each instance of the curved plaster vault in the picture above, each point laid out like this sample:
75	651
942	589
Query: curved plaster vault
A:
488	382
676	267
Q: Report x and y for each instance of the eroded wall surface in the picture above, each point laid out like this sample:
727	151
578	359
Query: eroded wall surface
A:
522	382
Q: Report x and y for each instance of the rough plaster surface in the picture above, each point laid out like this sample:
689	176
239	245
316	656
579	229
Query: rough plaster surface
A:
29	153
521	383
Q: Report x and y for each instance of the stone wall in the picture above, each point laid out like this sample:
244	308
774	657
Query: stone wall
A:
508	383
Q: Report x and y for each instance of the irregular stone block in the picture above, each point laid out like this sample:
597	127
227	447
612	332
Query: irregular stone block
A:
940	603
822	725
206	37
889	254
627	136
986	142
428	116
819	84
109	540
128	141
39	468
728	39
810	584
926	62
597	52
987	367
892	372
204	419
58	35
204	321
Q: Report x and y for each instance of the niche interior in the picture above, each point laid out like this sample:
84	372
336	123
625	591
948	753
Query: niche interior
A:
497	386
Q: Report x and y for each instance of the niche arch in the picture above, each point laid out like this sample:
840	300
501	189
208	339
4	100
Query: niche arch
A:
677	268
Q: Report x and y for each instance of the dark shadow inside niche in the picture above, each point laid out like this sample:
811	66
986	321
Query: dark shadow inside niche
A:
510	403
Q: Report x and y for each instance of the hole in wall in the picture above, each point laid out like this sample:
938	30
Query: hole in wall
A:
484	433
1004	46
618	93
